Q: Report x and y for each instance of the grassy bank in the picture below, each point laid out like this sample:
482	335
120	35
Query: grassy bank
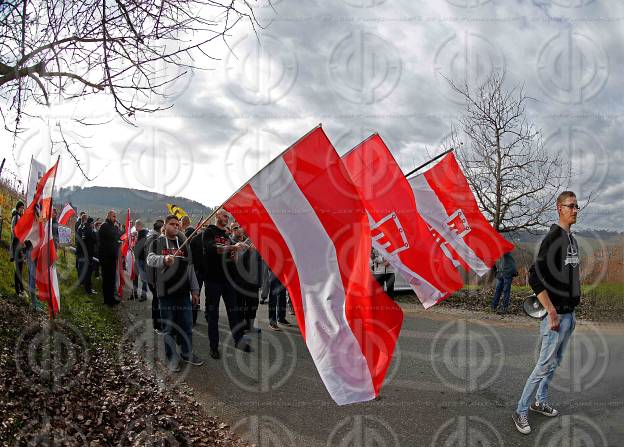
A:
599	302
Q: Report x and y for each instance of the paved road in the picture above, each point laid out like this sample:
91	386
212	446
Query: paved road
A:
454	381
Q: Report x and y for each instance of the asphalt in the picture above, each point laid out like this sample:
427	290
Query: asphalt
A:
454	381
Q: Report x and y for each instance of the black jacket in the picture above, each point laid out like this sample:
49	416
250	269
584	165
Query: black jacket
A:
90	242
108	241
197	249
217	266
556	270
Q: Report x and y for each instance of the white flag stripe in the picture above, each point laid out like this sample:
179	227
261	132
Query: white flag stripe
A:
433	211
344	371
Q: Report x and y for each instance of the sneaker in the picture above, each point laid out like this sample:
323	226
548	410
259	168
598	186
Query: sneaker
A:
158	331
214	353
194	360
243	346
543	408
285	322
273	325
93	292
522	423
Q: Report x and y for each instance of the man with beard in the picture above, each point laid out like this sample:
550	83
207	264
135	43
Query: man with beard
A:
218	256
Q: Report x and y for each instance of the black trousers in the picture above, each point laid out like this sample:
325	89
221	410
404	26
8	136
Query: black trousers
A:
214	292
156	321
196	307
248	305
277	300
387	278
109	269
18	275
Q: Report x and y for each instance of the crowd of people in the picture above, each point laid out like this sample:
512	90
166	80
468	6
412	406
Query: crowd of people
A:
173	261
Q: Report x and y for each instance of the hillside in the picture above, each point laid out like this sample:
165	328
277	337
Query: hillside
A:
97	200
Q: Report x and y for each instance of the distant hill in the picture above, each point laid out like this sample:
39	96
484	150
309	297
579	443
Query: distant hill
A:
97	200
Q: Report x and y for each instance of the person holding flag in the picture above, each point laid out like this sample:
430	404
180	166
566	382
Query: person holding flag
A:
36	225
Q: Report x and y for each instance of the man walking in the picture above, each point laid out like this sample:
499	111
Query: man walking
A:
89	245
505	271
175	284
218	257
555	279
108	241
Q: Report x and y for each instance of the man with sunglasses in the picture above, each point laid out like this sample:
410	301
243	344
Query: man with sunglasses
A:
555	279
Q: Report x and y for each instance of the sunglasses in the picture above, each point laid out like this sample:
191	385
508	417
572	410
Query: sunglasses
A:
572	206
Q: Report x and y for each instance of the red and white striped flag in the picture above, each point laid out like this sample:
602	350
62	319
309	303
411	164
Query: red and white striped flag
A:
67	213
46	279
30	226
308	223
399	232
445	201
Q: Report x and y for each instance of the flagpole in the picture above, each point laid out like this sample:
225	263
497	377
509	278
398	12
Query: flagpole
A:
359	144
28	179
50	304
429	162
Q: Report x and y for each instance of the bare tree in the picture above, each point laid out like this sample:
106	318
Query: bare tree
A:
514	178
73	49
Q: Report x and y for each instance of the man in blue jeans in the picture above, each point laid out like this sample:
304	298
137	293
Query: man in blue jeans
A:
555	279
505	271
175	284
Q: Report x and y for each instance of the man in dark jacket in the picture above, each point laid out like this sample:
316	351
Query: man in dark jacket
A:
555	279
218	257
175	284
506	270
108	245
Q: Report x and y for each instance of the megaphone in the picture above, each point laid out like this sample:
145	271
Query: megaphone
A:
533	308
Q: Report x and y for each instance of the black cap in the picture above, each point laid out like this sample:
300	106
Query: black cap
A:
19	203
89	220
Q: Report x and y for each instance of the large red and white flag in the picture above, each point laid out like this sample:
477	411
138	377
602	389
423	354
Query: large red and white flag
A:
67	213
30	226
308	223
398	231
45	278
445	201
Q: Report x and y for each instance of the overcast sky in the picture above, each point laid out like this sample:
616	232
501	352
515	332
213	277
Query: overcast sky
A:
359	66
